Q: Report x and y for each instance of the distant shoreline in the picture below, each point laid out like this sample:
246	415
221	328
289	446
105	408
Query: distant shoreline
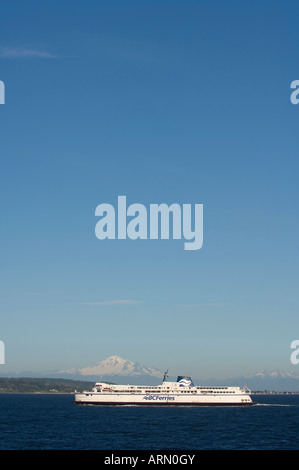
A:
36	393
51	386
55	386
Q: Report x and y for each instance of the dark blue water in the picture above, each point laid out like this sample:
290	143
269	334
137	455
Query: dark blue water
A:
55	422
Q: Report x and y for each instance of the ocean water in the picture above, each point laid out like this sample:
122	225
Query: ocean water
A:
55	422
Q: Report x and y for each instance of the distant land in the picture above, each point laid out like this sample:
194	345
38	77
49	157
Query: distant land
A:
115	369
42	385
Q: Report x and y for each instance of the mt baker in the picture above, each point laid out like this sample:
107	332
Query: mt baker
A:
117	369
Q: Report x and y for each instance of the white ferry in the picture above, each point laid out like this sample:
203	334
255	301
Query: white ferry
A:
180	393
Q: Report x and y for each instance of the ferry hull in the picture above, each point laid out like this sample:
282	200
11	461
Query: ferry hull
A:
180	393
102	400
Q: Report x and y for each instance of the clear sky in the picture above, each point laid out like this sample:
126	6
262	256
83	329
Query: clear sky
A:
164	102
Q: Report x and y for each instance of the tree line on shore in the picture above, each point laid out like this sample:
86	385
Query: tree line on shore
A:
42	385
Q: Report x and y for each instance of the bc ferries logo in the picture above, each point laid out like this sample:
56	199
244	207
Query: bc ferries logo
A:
159	397
185	382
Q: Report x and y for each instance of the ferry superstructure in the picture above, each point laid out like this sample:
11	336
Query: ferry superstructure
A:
180	393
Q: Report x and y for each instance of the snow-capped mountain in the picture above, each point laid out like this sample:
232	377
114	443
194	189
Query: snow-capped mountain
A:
123	371
276	380
276	374
118	370
115	367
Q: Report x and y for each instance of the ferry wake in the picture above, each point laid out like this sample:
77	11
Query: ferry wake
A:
180	393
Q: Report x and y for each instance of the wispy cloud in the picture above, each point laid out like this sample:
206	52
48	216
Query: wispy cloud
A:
211	304
24	53
114	302
128	51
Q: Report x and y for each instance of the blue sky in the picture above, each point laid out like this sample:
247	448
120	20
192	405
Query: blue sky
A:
164	102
